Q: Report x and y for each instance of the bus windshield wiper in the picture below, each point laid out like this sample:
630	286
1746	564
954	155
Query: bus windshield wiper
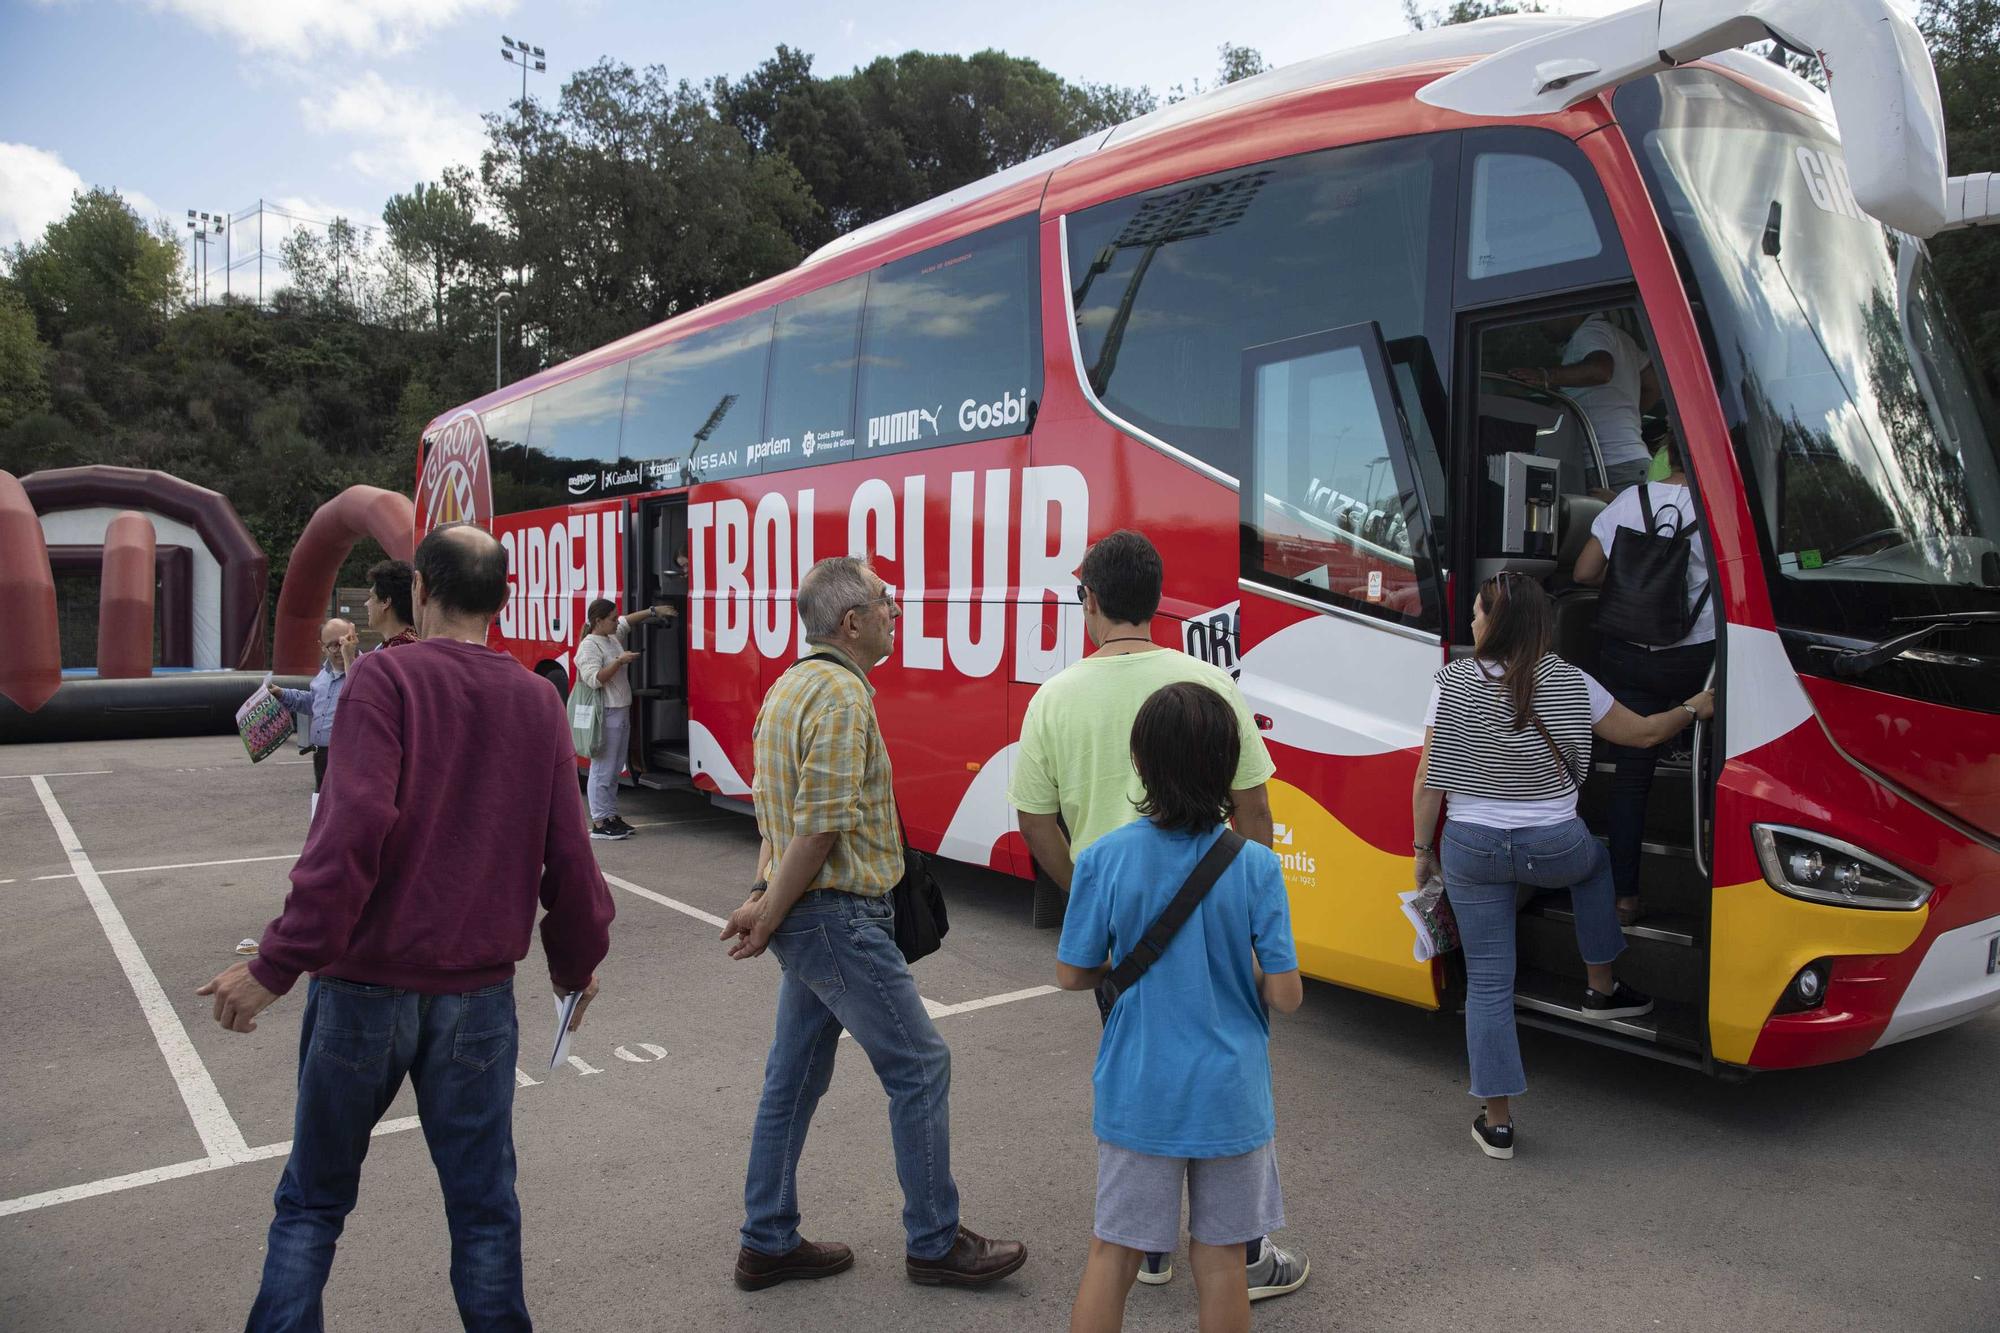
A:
1855	661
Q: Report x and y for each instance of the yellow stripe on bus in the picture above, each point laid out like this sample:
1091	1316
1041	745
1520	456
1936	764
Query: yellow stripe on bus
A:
1346	920
1759	940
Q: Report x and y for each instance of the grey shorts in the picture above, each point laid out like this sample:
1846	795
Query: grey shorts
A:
1231	1200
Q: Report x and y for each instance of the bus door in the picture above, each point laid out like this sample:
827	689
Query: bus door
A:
1538	467
658	577
1340	611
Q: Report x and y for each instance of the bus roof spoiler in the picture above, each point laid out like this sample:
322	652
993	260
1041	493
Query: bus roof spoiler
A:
1885	95
1971	201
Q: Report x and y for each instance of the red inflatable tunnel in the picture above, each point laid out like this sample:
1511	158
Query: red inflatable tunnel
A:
125	599
357	512
30	648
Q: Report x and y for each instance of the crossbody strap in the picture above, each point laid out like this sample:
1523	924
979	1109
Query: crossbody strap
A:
1555	751
1161	933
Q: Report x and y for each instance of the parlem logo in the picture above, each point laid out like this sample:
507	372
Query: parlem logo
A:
456	486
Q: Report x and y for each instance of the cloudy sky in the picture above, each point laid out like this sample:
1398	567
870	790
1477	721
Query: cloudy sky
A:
327	107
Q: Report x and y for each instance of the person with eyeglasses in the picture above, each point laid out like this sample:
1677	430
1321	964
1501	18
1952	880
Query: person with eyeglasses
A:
826	808
1506	741
315	705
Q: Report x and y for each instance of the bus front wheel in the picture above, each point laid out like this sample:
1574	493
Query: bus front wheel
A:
556	677
1050	902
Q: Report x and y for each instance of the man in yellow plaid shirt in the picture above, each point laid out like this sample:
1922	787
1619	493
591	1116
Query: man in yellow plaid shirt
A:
833	850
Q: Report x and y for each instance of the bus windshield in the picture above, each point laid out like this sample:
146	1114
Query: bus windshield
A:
1863	433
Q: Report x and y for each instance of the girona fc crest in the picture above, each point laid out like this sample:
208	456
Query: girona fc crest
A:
455	486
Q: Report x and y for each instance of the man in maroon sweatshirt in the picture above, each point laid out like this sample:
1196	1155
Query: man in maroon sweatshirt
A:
450	807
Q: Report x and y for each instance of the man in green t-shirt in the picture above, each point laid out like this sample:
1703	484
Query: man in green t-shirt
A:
1074	766
1075	759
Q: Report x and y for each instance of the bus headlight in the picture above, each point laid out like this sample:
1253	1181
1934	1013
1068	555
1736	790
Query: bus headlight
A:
1822	869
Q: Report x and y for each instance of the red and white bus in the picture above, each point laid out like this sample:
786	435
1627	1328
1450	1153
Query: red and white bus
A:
1265	326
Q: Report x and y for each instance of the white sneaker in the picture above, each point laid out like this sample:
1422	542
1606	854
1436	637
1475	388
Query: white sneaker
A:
1156	1270
1276	1272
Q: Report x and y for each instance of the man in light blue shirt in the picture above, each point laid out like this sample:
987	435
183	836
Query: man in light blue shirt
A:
314	705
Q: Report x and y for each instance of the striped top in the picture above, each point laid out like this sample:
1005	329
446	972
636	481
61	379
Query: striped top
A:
1476	752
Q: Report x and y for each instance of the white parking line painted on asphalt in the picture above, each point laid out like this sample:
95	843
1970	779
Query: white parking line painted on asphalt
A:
684	909
178	865
218	1130
28	1203
932	1007
79	773
697	819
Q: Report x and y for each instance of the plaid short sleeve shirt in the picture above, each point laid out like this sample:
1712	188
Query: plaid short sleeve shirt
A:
821	767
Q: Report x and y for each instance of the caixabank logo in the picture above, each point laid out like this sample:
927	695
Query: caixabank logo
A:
456	485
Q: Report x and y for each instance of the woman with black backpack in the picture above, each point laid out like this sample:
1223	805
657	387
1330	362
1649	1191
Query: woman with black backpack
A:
1658	636
1507	743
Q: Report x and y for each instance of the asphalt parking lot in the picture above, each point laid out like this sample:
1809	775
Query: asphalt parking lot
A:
140	1143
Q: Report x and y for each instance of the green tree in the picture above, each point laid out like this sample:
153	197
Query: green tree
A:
435	228
99	266
628	200
24	385
1241	62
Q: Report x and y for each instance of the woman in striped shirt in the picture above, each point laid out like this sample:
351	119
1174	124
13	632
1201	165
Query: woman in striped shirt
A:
1507	740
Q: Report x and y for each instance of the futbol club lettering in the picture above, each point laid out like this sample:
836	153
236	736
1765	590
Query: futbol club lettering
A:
748	554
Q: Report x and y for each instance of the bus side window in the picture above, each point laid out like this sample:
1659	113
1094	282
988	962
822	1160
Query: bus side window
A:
1330	508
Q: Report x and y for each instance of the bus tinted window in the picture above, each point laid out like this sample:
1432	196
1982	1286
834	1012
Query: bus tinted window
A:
700	399
812	377
948	345
1527	212
579	418
1170	288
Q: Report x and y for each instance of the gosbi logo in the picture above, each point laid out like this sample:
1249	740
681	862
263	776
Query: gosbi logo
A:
456	486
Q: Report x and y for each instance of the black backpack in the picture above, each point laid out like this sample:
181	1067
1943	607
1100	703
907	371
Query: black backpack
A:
1644	598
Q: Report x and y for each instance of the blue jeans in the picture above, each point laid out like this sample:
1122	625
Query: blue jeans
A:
1644	681
1482	866
355	1045
842	969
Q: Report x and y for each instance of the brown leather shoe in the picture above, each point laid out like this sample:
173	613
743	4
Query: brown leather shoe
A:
972	1261
755	1271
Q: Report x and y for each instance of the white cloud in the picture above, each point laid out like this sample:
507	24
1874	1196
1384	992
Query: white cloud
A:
409	134
302	28
35	190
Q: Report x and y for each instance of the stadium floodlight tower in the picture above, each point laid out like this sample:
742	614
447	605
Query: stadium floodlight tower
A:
517	52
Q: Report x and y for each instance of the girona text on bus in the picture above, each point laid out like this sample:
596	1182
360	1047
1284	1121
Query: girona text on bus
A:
1267	326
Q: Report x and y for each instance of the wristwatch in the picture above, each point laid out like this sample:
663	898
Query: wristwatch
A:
1691	711
759	886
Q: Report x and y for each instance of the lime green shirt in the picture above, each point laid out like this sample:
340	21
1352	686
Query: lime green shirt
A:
1075	757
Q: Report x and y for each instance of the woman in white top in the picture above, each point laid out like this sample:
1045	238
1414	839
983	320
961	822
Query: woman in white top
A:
1507	741
601	662
1646	679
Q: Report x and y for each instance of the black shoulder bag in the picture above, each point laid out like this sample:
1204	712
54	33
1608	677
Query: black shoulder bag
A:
1161	933
920	921
1644	598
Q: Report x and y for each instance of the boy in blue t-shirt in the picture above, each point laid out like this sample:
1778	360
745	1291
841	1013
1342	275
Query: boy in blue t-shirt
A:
1183	1078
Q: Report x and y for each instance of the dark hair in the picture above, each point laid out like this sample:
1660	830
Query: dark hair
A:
390	580
1185	744
1520	627
595	612
1125	572
464	577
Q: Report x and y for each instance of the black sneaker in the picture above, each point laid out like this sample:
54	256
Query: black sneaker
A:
1493	1140
618	825
1623	1002
602	831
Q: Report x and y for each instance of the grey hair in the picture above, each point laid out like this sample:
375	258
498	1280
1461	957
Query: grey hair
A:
831	588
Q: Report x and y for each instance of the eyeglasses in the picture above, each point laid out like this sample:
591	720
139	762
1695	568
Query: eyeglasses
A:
887	597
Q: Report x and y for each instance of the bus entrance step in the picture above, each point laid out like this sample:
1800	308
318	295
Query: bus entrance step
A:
1666	927
1546	1000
